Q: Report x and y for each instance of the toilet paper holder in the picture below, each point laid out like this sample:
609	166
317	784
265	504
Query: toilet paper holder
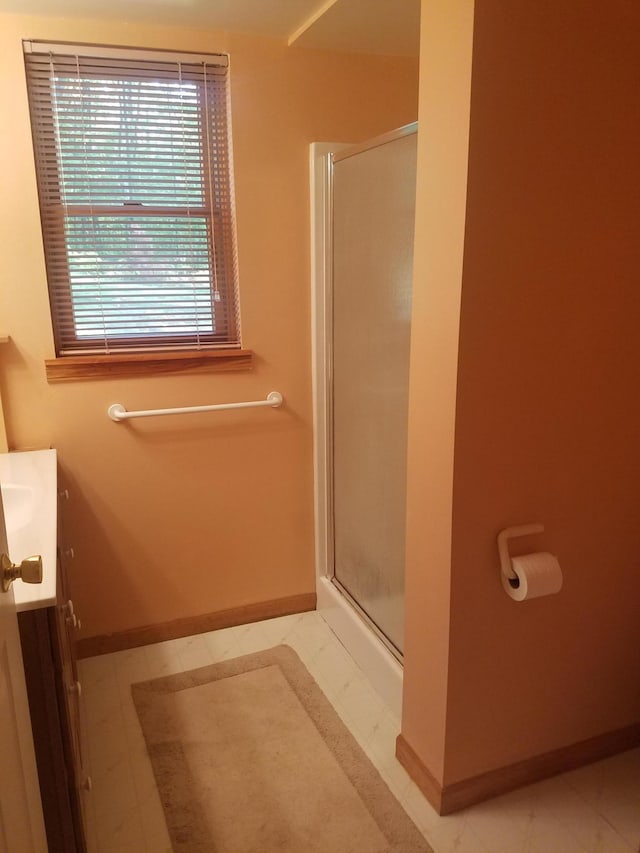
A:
503	547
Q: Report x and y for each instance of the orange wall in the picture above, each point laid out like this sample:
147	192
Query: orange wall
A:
545	389
548	412
445	75
172	518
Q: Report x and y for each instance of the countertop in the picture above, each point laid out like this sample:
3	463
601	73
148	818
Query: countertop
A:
31	520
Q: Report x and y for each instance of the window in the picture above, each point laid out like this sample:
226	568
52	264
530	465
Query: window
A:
133	161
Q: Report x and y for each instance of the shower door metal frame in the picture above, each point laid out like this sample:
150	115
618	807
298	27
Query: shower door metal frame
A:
325	519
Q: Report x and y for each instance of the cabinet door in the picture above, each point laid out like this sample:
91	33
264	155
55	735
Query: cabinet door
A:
49	722
68	629
69	695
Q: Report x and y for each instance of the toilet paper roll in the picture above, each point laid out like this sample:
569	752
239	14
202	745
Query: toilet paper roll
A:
537	574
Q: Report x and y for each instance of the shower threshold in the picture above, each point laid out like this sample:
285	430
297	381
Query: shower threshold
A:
363	640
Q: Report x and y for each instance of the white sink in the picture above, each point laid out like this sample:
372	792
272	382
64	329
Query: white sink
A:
18	502
29	496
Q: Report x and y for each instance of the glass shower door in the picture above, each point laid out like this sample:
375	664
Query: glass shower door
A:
372	234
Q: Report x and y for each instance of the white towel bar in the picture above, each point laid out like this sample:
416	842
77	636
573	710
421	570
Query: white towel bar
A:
117	411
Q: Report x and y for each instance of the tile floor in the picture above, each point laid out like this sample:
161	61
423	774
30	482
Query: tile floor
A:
594	809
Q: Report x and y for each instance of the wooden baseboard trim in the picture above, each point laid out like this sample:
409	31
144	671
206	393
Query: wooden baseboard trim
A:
131	639
451	798
420	773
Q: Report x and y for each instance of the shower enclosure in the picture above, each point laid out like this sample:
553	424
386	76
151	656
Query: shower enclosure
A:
363	223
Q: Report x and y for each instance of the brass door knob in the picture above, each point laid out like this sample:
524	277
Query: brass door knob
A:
29	570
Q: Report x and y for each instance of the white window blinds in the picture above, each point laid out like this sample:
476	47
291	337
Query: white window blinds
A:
133	160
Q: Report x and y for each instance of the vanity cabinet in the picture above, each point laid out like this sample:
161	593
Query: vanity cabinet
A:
47	637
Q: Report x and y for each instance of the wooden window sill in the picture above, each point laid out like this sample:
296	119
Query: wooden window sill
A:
80	367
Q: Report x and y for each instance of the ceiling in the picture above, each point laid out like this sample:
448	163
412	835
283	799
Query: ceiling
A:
363	26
